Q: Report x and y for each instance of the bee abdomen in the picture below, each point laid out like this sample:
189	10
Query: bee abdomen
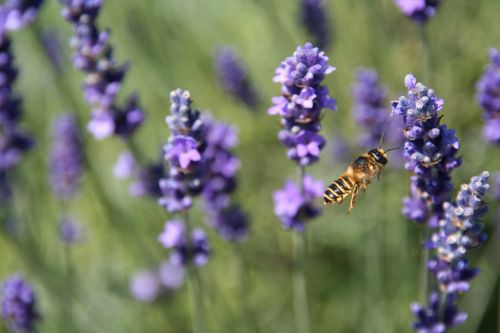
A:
337	191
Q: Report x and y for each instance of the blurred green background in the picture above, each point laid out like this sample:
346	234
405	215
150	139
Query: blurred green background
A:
362	268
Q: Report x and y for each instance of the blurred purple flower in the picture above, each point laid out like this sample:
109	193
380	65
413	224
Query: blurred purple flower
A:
435	319
66	159
93	55
231	223
234	78
488	96
13	142
19	304
145	286
125	165
419	11
496	187
171	275
315	19
294	206
196	249
70	231
20	13
301	102
430	150
51	42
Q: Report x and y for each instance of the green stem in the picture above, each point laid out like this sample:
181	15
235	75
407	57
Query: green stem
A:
424	272
426	56
248	315
69	284
195	288
301	308
300	285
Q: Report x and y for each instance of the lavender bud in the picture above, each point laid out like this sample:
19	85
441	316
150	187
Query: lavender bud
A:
19	304
66	158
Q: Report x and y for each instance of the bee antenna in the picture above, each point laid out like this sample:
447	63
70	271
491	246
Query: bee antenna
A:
381	139
388	150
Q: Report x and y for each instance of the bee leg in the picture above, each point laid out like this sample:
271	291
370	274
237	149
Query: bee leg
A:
353	198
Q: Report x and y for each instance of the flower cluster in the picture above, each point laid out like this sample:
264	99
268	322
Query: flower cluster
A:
66	158
234	78
301	102
314	17
70	231
185	247
20	13
145	180
94	56
294	206
147	285
419	11
488	96
184	154
430	152
13	142
459	231
226	217
369	108
19	304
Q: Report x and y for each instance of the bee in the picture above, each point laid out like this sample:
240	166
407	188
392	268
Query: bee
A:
357	177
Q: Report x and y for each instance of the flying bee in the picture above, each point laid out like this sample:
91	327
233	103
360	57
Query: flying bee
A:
357	177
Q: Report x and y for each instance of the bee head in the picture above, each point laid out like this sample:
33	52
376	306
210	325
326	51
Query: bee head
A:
379	155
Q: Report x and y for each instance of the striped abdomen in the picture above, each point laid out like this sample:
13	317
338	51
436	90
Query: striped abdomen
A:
338	190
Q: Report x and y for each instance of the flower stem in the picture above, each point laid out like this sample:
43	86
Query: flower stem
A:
195	288
248	316
300	285
424	272
426	56
301	307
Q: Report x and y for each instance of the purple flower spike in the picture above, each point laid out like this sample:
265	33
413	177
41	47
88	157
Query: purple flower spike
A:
184	153
93	55
314	17
459	231
20	13
370	111
302	100
429	150
66	160
184	250
295	208
234	78
19	304
488	96
419	11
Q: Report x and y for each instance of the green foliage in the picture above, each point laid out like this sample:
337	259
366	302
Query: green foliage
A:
362	268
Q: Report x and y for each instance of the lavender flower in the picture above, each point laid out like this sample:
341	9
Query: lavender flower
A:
184	249
13	142
488	96
303	97
171	275
145	286
94	56
430	152
19	304
231	223
496	188
234	78
21	13
70	231
459	231
66	158
315	19
125	165
183	152
294	206
419	11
